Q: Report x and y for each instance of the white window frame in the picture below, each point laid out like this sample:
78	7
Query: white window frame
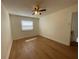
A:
27	25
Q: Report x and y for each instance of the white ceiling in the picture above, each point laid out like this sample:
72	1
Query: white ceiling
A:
24	7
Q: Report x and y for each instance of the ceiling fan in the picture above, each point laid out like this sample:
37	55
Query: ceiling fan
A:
37	10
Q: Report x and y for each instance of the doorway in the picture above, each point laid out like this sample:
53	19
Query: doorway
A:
74	29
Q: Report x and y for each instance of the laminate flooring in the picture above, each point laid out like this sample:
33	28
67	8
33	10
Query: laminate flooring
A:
39	47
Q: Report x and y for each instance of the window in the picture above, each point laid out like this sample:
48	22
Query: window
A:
27	25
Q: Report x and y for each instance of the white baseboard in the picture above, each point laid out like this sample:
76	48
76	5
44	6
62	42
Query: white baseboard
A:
25	37
54	39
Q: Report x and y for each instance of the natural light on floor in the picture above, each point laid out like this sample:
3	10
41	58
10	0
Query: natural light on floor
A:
30	39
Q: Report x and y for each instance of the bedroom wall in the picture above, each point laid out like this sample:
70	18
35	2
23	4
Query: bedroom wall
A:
57	26
6	39
17	32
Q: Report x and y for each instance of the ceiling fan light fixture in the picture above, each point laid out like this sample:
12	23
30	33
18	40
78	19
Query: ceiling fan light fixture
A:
37	10
37	13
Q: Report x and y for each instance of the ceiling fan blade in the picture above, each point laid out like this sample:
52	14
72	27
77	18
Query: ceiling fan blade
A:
42	10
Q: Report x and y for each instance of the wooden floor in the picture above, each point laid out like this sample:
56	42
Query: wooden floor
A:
41	48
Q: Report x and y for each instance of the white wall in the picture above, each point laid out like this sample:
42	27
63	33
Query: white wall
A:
57	25
17	32
6	40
